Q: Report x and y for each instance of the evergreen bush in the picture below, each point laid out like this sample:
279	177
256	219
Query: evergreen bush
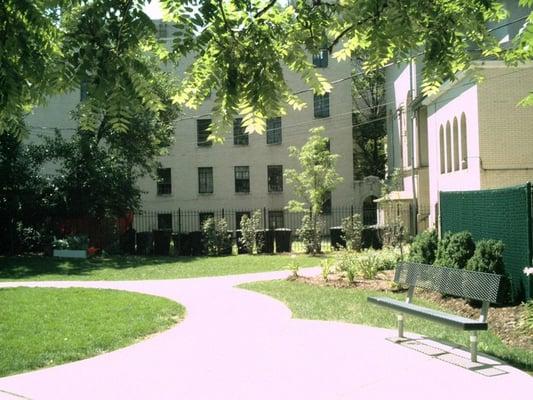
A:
217	240
455	249
424	247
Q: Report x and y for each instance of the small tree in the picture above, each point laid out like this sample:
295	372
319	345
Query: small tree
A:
250	226
352	229
315	179
217	241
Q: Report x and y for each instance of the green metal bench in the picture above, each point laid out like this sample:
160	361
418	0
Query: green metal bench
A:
457	282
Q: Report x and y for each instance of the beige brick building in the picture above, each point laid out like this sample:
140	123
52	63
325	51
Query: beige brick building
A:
245	172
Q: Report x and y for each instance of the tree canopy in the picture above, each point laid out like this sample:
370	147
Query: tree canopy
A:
243	50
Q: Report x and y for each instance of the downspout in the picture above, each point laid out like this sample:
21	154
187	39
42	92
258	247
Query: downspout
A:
412	152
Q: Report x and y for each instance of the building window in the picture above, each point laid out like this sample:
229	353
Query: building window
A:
326	206
321	105
84	91
442	151
162	30
164	222
204	216
238	217
455	145
205	180
464	145
275	220
274	130
275	178
202	130
240	137
164	181
242	179
320	60
448	147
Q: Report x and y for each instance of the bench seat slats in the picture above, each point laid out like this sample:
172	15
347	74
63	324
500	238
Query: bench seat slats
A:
454	321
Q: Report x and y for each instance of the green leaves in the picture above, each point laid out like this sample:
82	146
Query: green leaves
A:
317	175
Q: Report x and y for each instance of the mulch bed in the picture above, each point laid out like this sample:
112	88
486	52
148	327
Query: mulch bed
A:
503	321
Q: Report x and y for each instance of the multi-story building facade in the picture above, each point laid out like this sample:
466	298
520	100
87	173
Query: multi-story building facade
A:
246	172
471	135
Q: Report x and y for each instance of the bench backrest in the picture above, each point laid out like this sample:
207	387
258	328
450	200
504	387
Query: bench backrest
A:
457	282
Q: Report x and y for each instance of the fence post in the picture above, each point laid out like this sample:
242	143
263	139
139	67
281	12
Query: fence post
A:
264	218
222	213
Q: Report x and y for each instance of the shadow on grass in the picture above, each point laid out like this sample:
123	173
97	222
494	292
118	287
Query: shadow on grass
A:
23	267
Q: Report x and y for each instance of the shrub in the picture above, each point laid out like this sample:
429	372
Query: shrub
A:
352	228
387	259
366	264
310	233
526	321
250	226
346	263
326	266
424	247
79	242
488	257
294	266
455	249
217	241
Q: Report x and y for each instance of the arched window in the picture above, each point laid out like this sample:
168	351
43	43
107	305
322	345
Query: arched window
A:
455	145
442	151
464	145
448	147
370	211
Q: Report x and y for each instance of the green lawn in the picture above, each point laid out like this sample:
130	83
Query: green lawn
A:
350	305
41	327
132	268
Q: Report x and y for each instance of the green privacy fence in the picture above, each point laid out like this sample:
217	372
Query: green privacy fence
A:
503	214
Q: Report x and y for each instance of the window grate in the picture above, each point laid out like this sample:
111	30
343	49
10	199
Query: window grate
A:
275	178
321	105
242	179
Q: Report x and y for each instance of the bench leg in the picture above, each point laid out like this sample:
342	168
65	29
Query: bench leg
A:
473	346
400	325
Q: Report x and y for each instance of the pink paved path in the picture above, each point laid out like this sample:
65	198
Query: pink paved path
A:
235	344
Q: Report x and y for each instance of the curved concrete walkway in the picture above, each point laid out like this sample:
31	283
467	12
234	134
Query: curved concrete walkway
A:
235	344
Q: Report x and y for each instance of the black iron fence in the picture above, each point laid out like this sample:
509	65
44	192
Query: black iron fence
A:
185	224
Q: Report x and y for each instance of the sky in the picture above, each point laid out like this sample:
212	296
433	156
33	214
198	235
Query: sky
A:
153	10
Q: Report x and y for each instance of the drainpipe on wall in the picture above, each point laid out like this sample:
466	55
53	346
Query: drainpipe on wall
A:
410	128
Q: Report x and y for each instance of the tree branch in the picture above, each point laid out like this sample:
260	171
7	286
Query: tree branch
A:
264	10
339	37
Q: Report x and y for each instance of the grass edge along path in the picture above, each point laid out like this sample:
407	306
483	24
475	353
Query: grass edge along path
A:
350	305
36	268
43	327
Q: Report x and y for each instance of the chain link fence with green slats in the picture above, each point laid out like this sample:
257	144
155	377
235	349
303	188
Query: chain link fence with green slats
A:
502	214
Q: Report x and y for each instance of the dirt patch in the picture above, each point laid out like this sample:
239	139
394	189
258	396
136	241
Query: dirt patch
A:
503	321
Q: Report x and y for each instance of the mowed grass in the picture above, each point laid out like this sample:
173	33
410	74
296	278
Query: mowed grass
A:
350	305
41	327
134	268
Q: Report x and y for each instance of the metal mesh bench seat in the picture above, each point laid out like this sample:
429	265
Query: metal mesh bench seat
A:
457	282
455	321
